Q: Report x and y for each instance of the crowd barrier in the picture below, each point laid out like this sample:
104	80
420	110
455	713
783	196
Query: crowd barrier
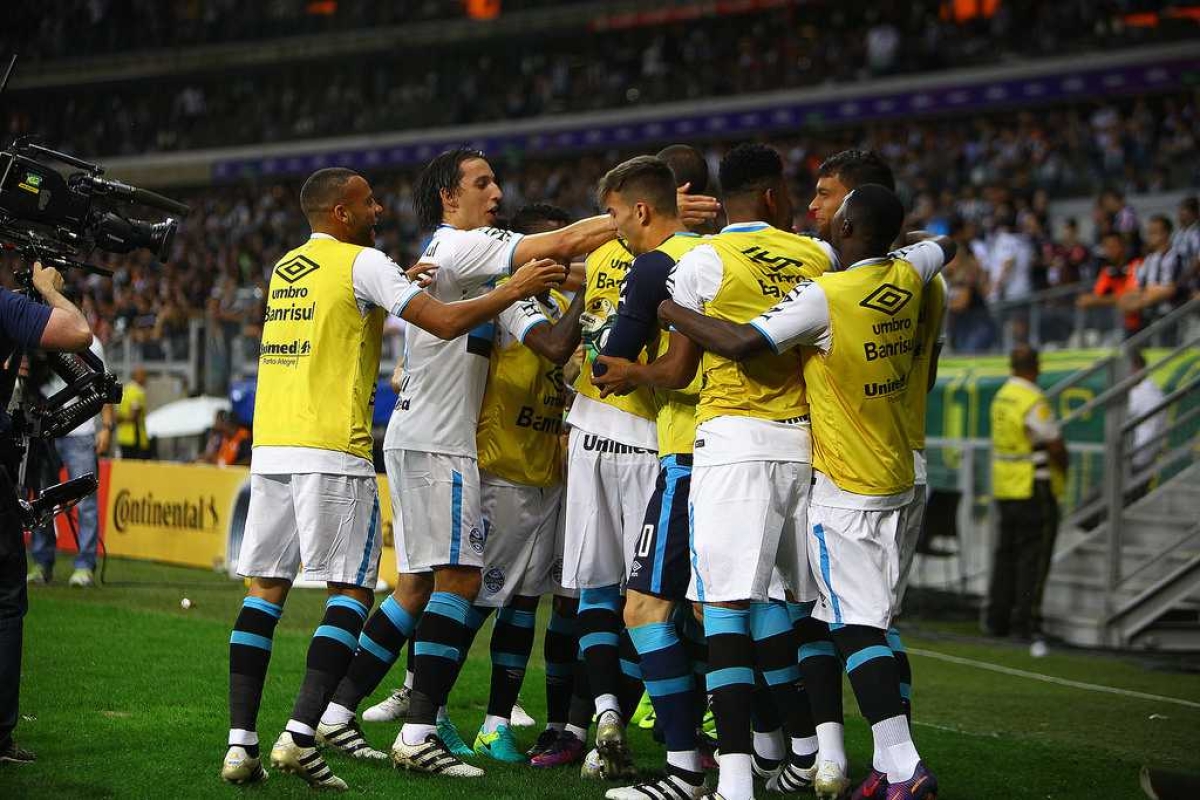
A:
192	515
195	515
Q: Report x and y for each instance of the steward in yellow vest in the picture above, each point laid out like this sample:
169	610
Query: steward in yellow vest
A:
1029	462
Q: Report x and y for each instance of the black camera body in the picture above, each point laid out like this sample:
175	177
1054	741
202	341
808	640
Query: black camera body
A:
63	217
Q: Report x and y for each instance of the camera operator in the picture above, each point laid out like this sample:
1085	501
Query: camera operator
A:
24	324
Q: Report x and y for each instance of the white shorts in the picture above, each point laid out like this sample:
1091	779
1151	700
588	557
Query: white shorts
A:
910	534
560	543
328	523
436	519
856	562
608	487
748	524
522	527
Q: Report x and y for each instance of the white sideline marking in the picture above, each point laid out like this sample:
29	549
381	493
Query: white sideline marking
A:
1037	676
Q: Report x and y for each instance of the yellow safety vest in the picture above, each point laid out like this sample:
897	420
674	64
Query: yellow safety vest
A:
607	267
761	265
319	361
133	433
933	306
1015	459
858	388
677	409
522	413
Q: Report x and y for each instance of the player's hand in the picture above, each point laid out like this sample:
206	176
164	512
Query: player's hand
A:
696	210
614	378
46	280
537	276
103	439
422	274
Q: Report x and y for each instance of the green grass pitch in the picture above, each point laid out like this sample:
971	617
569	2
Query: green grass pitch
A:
124	696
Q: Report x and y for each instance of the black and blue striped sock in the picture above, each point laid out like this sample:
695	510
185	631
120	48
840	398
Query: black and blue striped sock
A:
872	670
903	670
599	642
512	643
442	641
730	677
630	688
249	655
820	666
329	655
379	646
669	682
559	648
775	653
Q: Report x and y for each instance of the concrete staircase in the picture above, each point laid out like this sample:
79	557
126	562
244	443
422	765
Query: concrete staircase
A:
1156	604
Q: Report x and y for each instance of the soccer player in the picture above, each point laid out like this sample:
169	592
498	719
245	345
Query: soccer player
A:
640	196
751	454
857	373
312	486
521	458
431	459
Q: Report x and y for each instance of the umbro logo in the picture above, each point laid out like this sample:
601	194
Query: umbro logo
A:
296	267
887	299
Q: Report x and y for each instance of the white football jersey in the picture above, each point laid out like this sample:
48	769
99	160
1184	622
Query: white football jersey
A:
437	409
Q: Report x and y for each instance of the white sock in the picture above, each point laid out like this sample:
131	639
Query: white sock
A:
491	723
685	759
879	760
804	745
578	732
769	744
894	739
607	702
408	679
240	737
412	734
736	779
299	727
556	726
442	713
336	715
830	743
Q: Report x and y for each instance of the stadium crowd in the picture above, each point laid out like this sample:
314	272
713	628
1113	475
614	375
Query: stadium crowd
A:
988	183
558	72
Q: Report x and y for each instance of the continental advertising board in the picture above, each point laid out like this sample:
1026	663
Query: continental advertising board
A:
190	515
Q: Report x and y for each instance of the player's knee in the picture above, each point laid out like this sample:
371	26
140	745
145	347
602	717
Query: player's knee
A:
462	581
273	590
644	609
360	593
413	590
524	602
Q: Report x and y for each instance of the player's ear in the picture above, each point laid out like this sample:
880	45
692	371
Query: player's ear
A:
449	199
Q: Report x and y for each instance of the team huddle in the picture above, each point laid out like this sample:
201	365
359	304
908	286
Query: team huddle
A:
726	525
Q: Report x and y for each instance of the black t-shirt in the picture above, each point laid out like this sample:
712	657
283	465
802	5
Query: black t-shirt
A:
637	315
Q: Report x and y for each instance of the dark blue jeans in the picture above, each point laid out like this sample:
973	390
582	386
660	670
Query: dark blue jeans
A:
78	453
13	604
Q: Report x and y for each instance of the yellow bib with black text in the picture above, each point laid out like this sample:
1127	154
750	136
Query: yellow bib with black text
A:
522	412
761	265
677	408
319	360
606	268
933	306
858	390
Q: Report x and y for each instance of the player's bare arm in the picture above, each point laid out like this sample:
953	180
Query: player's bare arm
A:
558	341
451	320
674	369
564	244
735	341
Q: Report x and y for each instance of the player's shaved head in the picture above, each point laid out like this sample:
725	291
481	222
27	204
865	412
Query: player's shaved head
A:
1024	360
688	165
324	189
875	214
856	168
641	179
443	174
750	168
